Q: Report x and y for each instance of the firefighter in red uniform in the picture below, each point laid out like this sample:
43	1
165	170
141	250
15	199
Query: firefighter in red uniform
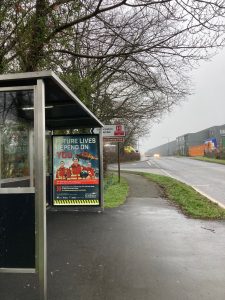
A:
75	169
62	172
90	170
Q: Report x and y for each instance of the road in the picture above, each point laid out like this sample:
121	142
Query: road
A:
207	178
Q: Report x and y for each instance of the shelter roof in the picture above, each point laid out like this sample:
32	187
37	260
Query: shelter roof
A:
63	108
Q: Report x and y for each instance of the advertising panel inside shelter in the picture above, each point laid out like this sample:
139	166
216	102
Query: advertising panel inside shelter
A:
76	166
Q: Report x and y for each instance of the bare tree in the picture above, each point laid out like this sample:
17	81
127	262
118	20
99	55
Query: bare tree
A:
139	61
126	59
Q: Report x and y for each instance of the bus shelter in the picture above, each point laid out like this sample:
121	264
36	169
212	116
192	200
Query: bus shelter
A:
32	105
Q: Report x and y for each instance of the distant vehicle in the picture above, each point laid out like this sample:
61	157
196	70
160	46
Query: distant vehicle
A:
156	155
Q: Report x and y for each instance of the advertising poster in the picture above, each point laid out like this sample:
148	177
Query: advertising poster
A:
76	170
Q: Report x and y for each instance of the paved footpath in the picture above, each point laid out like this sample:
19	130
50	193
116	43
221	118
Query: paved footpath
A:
143	250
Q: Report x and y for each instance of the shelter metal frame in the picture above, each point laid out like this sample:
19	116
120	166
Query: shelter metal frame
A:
37	81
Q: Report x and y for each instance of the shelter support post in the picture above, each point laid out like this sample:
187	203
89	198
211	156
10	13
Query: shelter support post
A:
40	186
31	157
101	167
0	158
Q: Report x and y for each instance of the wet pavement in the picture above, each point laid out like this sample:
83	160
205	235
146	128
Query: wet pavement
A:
143	250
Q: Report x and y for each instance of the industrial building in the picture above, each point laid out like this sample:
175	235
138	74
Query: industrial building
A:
168	149
207	141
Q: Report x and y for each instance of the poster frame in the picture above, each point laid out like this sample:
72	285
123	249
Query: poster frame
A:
77	207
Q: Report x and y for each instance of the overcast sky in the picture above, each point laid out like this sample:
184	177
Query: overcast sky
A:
203	109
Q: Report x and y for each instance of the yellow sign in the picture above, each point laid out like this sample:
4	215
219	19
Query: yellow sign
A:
76	202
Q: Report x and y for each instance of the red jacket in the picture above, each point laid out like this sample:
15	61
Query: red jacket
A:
75	170
62	173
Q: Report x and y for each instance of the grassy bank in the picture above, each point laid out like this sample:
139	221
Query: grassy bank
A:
190	202
212	160
114	193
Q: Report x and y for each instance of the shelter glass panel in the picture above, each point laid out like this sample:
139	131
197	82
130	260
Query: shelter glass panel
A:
16	138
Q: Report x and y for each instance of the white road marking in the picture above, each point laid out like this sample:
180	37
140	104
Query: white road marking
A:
210	198
148	162
200	185
195	188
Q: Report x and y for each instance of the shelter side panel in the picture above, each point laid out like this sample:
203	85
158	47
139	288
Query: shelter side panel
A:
17	231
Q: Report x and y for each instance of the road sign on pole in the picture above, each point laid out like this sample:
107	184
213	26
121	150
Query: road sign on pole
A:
115	134
113	130
114	139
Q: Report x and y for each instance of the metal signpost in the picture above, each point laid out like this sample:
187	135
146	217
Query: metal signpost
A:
116	134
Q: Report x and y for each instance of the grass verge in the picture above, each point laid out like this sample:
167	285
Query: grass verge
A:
190	201
114	193
212	160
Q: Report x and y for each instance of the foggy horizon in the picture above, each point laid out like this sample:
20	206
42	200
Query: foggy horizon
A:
202	109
